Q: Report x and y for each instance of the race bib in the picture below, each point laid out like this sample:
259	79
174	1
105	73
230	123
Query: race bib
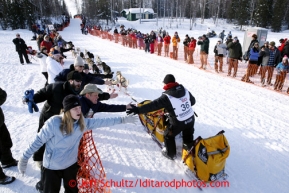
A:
182	106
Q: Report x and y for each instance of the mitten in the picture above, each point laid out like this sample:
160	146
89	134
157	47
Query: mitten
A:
108	76
129	119
22	165
133	110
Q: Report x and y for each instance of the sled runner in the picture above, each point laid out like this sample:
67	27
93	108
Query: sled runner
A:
206	159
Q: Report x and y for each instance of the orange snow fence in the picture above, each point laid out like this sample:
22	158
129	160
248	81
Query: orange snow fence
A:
91	176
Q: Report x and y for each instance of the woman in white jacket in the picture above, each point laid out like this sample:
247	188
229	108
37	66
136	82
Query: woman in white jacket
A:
42	61
54	66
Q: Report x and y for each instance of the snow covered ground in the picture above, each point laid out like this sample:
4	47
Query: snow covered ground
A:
255	119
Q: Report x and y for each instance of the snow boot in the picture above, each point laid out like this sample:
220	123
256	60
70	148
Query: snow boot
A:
7	180
11	164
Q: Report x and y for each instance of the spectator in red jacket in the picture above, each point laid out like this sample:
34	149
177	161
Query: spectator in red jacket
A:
282	42
167	41
192	47
46	43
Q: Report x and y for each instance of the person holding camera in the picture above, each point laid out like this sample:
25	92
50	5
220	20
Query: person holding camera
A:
235	54
204	42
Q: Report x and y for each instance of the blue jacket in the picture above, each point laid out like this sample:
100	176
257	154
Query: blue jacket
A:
61	150
86	105
254	54
281	67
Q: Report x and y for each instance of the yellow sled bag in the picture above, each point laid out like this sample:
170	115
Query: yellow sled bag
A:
209	157
154	121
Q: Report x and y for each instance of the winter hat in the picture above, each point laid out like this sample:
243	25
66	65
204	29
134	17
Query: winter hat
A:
281	40
78	61
69	102
285	58
3	96
86	66
272	43
74	75
57	57
204	35
90	88
169	78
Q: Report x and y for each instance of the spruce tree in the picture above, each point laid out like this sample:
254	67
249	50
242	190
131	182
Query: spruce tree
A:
232	12
243	13
278	15
263	14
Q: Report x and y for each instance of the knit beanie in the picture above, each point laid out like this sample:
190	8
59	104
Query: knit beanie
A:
78	61
272	43
70	101
169	78
285	58
3	96
86	66
74	75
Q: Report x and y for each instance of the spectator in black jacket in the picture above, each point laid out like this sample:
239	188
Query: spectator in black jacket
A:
21	48
6	157
177	102
90	102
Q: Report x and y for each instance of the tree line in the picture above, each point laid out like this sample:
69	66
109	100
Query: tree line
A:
270	14
21	14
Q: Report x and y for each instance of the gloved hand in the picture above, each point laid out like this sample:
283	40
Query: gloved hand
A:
129	119
108	75
133	110
22	165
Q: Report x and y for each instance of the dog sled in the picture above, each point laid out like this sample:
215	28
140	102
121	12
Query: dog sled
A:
206	159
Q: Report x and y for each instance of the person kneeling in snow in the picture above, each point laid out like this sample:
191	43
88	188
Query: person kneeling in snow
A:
177	102
62	135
